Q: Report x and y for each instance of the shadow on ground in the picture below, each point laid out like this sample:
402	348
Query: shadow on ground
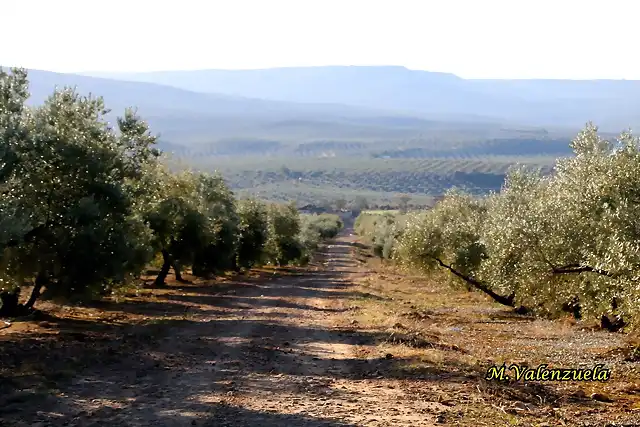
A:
167	370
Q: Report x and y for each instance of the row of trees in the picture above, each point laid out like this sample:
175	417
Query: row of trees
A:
381	230
381	181
568	241
360	203
84	207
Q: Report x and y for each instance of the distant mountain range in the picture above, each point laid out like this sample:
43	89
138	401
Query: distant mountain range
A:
158	98
186	117
613	104
235	123
376	112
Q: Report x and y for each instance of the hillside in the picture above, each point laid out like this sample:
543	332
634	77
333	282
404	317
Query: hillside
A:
194	115
380	181
157	99
333	150
614	104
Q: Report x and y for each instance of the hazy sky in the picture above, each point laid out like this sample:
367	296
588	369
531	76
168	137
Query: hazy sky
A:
471	38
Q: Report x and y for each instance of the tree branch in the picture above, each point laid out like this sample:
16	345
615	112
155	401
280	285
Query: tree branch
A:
31	236
508	300
578	268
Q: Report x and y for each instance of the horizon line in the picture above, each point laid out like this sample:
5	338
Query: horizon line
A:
391	66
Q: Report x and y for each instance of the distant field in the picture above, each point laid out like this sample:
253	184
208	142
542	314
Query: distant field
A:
315	164
381	211
380	181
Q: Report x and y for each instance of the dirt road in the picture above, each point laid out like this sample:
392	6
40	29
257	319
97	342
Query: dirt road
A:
274	352
334	344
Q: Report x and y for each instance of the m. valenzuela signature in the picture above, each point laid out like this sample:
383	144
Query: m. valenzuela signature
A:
543	373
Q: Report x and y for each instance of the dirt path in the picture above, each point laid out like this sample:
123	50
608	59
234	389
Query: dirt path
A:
265	353
335	344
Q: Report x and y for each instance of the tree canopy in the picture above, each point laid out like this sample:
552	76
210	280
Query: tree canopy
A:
568	241
86	206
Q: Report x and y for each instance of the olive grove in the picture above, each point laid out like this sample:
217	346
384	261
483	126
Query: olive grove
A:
565	242
85	207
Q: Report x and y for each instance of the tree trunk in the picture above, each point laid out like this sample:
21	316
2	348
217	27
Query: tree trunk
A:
577	268
42	279
235	266
164	271
617	323
9	306
612	325
573	307
177	270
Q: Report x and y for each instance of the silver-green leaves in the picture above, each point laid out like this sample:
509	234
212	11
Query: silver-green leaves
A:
543	242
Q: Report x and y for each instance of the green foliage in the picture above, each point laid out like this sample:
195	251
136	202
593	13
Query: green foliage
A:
340	204
570	238
252	232
360	203
403	202
70	184
84	208
381	230
326	225
316	228
177	224
283	246
218	253
448	232
195	222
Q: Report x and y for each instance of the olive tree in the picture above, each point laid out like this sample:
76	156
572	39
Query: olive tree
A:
194	223
598	201
568	241
178	225
252	232
14	223
314	229
283	245
449	237
69	185
219	208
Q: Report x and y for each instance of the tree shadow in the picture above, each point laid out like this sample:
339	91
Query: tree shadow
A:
142	365
172	413
161	307
241	302
511	316
256	292
175	370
